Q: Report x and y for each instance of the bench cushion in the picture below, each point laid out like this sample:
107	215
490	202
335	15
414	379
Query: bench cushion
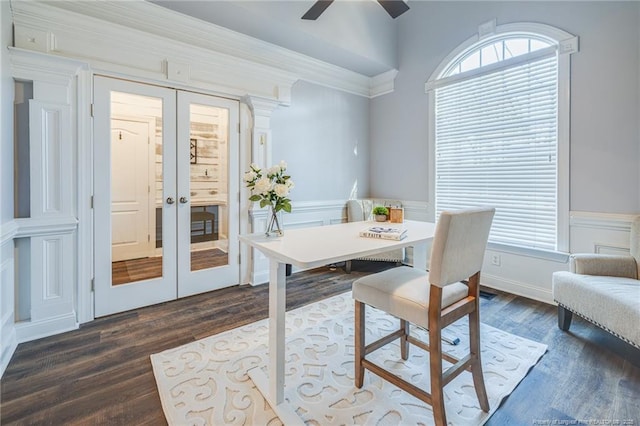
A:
612	303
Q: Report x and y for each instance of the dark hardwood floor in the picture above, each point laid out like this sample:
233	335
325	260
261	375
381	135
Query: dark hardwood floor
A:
101	374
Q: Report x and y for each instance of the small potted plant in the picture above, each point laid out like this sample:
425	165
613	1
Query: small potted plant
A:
380	213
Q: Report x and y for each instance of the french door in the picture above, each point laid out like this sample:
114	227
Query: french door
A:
165	194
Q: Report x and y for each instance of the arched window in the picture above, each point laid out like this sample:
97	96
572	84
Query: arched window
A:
499	132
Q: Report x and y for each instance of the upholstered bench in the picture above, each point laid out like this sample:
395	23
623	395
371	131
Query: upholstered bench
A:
603	289
360	210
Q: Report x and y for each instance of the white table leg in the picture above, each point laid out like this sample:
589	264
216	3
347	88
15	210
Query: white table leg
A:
272	388
277	312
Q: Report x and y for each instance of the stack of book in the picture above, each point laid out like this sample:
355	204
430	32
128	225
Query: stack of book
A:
384	232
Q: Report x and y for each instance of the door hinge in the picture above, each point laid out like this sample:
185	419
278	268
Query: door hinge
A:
91	110
238	127
148	189
93	284
149	238
239	259
91	202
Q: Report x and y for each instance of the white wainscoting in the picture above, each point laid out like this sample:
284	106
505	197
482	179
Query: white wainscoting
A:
303	214
600	233
530	275
524	274
8	339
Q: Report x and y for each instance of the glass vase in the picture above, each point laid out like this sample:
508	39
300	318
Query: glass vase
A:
274	223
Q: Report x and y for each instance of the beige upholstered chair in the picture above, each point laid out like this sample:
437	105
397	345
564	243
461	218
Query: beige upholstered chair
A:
431	300
360	210
603	289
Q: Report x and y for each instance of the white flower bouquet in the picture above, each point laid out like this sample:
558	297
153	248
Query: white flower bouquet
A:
271	188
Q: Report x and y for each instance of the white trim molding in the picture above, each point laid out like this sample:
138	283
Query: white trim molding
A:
607	233
608	221
8	337
383	83
169	47
46	282
31	227
303	214
8	231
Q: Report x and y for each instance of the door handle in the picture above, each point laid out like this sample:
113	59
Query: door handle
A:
183	200
170	200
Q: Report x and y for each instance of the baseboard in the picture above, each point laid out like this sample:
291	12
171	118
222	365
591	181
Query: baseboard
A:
9	346
259	278
518	288
27	330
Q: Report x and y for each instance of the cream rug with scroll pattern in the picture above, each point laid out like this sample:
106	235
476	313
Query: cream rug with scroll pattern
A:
205	382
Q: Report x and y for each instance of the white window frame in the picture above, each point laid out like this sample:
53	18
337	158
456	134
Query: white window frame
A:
566	44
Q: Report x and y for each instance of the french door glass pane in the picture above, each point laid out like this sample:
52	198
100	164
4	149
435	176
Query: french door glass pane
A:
208	186
136	187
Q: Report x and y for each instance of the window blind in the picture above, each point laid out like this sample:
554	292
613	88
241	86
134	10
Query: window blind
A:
496	144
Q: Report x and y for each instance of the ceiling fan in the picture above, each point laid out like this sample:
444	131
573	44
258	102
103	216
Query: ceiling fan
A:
394	8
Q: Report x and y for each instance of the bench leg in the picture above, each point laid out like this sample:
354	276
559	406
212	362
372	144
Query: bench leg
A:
347	266
564	318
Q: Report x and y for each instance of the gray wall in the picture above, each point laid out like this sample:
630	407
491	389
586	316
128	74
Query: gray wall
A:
323	137
605	86
6	116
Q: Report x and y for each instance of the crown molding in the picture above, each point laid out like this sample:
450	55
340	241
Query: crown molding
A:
29	65
383	83
100	31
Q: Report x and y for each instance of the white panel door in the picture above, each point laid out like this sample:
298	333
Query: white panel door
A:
132	160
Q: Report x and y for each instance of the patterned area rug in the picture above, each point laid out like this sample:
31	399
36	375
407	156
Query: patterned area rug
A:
206	382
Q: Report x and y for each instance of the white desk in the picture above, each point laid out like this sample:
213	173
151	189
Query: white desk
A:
310	248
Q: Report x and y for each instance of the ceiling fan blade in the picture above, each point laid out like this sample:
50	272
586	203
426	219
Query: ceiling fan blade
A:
394	8
316	10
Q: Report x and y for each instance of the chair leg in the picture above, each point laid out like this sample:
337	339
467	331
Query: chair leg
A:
435	356
564	318
347	266
474	343
404	342
435	368
359	343
476	360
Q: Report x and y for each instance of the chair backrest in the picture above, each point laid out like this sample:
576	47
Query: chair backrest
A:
459	244
635	242
359	210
